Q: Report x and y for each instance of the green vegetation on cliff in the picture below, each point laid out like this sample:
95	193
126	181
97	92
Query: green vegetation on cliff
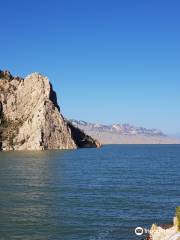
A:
9	130
178	217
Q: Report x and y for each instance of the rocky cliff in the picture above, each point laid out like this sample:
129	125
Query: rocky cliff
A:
30	117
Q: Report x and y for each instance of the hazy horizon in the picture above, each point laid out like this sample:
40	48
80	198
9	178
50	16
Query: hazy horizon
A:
109	61
172	134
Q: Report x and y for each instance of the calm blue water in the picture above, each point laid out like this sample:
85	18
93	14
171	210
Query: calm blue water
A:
88	194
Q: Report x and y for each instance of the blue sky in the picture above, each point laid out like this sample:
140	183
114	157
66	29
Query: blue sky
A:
109	60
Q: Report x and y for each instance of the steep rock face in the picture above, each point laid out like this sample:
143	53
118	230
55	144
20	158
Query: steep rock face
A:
30	116
81	139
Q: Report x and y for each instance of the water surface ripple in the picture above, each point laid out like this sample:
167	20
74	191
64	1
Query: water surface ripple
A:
88	194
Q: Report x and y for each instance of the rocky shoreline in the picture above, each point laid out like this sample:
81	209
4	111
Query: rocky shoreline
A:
168	231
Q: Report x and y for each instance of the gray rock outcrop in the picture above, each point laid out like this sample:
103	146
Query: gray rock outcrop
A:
160	233
30	117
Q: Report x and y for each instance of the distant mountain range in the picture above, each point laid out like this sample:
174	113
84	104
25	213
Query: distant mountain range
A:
122	129
123	133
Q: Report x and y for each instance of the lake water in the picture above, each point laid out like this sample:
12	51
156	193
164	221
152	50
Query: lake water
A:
88	194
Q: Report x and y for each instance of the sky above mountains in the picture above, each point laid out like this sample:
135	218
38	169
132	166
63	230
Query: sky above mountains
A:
109	61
